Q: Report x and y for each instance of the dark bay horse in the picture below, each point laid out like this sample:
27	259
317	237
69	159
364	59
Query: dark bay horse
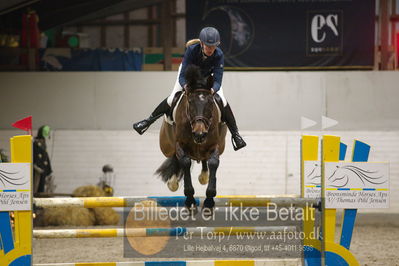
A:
196	135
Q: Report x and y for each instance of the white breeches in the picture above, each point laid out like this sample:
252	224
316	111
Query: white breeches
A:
177	88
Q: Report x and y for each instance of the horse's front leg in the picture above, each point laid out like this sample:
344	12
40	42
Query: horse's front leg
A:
204	176
185	164
213	164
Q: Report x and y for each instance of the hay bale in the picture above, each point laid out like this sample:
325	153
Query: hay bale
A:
88	191
103	215
106	216
76	216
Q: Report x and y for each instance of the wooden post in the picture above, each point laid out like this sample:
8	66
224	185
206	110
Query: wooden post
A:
103	35
31	59
174	26
158	28
126	31
167	34
150	28
384	25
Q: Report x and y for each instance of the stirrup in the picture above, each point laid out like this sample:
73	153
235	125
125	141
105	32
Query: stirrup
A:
139	130
236	147
149	121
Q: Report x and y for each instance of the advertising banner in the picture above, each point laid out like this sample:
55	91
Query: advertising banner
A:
289	34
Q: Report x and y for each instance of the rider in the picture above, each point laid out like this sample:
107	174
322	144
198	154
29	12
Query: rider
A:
205	54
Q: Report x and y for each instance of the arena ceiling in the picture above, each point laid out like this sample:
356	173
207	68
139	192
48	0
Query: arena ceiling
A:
53	13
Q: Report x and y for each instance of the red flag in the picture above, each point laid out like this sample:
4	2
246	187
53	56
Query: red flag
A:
24	124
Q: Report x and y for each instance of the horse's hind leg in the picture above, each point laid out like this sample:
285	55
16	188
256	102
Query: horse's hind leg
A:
185	163
203	178
213	164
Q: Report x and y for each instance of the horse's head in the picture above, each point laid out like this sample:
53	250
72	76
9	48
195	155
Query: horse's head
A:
200	104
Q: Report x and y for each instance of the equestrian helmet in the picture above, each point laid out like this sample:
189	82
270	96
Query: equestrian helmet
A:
210	36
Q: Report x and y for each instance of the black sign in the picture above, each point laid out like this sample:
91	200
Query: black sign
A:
289	34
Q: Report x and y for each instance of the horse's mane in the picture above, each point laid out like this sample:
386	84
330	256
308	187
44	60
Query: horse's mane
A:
195	79
192	75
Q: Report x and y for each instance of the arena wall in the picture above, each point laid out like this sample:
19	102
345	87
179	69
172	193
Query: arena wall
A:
359	100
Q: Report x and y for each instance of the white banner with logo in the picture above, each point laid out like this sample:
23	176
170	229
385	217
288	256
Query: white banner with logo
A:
15	186
353	185
312	179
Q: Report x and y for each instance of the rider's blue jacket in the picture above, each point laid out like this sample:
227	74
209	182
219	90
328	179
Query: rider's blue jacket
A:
208	64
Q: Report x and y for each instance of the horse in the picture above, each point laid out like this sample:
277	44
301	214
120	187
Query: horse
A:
197	134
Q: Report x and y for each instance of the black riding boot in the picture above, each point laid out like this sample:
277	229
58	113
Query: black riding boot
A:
228	117
162	108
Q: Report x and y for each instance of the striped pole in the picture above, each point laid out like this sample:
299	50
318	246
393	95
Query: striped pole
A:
220	201
152	232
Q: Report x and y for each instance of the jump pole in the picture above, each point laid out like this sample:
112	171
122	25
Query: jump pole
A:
220	201
156	232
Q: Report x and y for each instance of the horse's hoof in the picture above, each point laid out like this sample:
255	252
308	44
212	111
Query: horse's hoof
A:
173	183
207	212
193	210
191	206
209	203
203	178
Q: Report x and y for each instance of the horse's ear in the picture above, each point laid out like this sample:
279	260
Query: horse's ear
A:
192	75
209	82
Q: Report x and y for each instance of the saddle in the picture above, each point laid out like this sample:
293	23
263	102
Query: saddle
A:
170	117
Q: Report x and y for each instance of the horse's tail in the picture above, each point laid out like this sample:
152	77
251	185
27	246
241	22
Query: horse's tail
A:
169	168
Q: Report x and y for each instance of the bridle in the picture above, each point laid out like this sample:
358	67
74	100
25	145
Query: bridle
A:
205	120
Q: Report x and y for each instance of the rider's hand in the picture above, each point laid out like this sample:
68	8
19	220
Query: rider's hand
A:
212	91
